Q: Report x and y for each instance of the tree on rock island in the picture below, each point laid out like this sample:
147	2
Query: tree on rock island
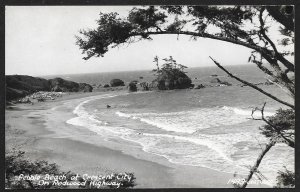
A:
171	75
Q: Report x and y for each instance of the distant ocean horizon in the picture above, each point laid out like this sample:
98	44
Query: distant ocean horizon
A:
195	73
140	70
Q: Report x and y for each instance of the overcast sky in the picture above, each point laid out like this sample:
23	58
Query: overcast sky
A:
41	41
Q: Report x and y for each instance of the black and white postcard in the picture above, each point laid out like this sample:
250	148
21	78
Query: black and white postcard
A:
152	96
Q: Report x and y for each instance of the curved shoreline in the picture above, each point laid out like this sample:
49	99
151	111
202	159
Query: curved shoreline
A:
53	140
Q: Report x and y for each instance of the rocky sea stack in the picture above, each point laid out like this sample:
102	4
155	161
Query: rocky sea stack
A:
173	79
171	75
132	86
217	80
116	83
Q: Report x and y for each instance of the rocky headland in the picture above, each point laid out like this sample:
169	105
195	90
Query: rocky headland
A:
19	86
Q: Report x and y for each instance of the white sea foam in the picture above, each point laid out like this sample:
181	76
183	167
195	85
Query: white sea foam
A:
180	146
219	147
191	121
90	121
214	152
203	150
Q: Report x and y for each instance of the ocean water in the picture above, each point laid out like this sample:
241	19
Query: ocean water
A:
210	127
202	74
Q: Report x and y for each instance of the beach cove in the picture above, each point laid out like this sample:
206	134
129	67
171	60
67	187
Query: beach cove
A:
42	132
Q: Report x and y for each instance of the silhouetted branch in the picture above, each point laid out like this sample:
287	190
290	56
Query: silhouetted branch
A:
253	86
254	169
282	88
275	128
271	74
279	56
207	35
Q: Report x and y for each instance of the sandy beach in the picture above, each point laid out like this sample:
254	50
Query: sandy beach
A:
42	132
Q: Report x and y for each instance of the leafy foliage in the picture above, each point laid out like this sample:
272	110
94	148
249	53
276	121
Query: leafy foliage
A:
16	164
145	86
234	15
285	179
284	122
111	31
146	19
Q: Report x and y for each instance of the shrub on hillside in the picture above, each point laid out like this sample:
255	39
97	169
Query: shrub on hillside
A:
17	167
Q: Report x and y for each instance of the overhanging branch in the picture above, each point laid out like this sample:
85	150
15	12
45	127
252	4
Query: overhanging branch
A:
205	35
253	86
258	161
275	128
278	55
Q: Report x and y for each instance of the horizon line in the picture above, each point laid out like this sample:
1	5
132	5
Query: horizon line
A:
43	75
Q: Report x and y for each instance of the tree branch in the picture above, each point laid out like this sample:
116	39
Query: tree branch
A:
282	78
253	86
205	35
282	88
278	55
289	142
258	161
275	128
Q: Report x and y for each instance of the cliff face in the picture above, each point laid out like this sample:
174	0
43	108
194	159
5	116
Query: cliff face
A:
18	86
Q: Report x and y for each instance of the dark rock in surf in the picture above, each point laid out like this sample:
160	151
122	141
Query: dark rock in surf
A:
132	86
199	86
117	82
222	83
215	80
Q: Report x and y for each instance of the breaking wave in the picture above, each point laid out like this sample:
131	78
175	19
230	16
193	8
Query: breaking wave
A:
180	142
